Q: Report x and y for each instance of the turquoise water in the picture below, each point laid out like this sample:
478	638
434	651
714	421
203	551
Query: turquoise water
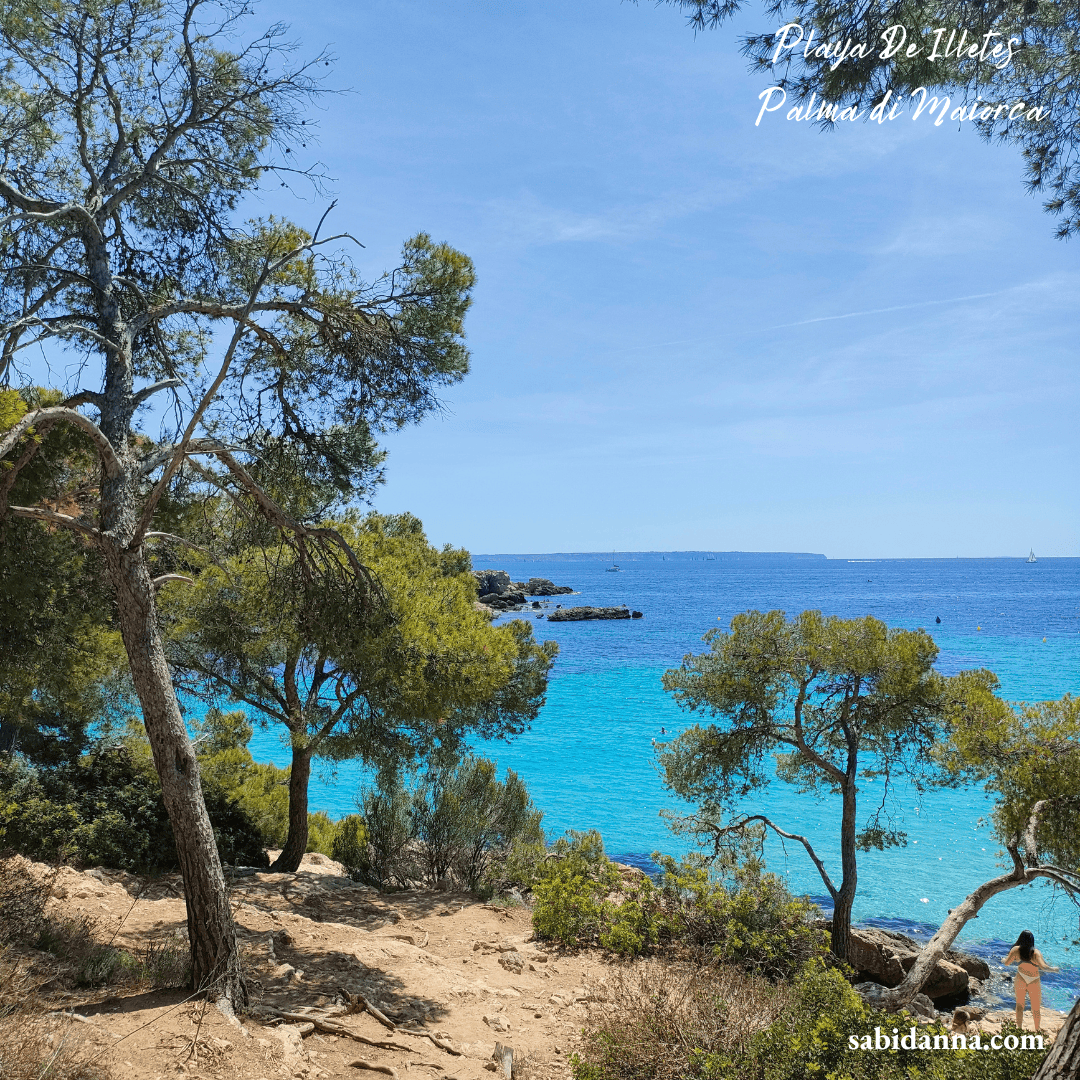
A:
588	759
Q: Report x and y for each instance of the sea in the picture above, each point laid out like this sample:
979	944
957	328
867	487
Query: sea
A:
589	758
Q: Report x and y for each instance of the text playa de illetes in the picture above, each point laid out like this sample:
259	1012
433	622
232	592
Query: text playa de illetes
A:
895	39
937	108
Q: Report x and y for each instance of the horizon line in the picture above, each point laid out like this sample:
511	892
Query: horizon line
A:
798	555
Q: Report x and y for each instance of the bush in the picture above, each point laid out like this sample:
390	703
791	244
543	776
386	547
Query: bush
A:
754	922
681	1022
571	890
810	1040
669	1020
321	833
581	899
106	809
456	820
350	845
465	818
387	811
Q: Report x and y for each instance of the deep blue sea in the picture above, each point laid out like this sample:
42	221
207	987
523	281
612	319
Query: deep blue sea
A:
588	759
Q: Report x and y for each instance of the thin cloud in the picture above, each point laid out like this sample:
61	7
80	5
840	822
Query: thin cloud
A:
884	310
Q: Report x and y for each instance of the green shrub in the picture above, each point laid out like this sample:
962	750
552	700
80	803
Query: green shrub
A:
757	924
106	809
350	845
668	1022
753	922
321	833
465	818
811	1040
571	888
387	813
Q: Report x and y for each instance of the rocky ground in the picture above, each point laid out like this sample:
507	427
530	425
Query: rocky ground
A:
435	963
453	979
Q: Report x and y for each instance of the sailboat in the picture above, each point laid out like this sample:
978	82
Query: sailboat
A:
614	567
1031	557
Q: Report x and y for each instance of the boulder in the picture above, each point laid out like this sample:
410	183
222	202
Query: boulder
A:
973	965
575	614
491	581
540	586
874	995
507	601
886	957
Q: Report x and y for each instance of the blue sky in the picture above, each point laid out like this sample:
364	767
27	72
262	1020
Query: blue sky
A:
688	331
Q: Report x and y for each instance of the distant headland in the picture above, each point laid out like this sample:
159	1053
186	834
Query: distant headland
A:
652	556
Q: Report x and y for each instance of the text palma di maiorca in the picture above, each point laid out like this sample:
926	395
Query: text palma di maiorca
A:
937	108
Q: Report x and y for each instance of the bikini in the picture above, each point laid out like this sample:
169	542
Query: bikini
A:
1028	979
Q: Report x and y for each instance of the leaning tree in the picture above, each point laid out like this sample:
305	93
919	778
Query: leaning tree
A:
208	351
832	703
1028	757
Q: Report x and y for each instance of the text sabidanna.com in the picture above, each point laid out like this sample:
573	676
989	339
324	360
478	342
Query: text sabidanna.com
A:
936	108
956	1041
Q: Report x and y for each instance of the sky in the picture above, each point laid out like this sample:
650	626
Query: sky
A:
691	332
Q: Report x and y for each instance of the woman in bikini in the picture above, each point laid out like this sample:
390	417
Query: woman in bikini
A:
1030	962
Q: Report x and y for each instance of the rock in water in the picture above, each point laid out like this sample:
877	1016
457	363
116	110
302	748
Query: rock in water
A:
540	586
491	581
575	614
887	957
976	968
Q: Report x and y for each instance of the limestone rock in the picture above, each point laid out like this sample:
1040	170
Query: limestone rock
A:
973	965
538	586
491	581
514	962
576	614
887	957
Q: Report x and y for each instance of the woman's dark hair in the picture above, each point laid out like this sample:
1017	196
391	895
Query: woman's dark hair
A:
1026	944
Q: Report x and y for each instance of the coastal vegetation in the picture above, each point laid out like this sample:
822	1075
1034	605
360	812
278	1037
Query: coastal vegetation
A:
837	704
131	134
412	679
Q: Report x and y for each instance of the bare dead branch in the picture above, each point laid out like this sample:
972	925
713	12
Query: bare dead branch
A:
109	461
37	513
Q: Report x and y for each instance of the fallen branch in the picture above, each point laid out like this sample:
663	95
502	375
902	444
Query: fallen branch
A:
360	1063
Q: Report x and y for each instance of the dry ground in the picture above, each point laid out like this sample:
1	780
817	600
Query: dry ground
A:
444	963
466	972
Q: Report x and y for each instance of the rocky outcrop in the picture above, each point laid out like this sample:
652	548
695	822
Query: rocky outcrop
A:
497	592
507	601
576	614
886	956
540	586
976	968
492	581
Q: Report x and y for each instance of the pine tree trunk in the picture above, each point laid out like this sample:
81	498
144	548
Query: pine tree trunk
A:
845	900
840	937
288	862
215	957
1063	1061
